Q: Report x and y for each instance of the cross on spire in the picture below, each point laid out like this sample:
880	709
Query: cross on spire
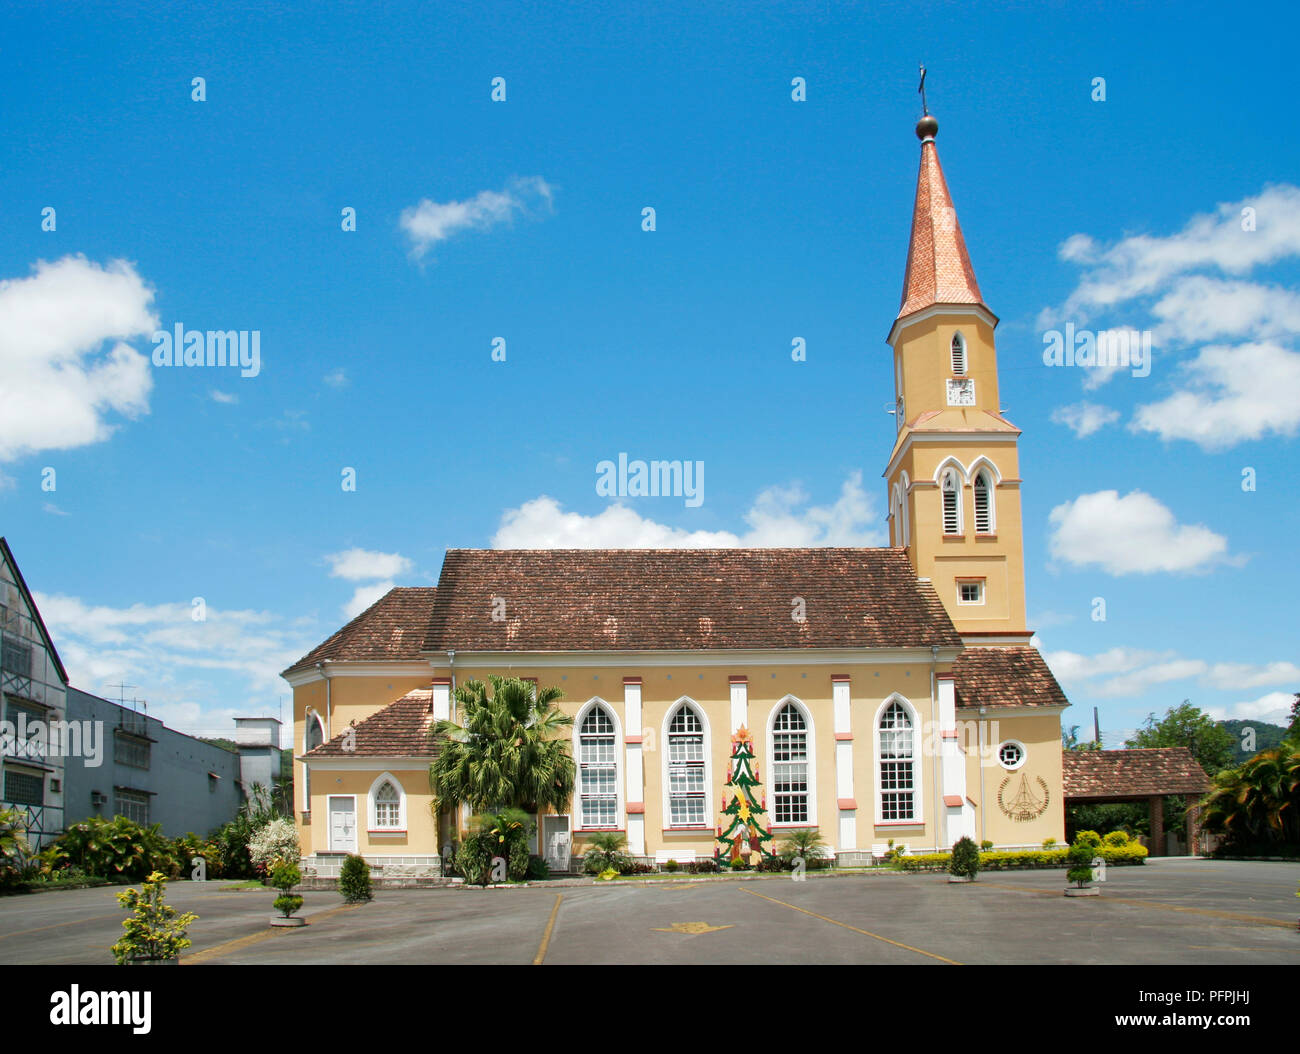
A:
925	110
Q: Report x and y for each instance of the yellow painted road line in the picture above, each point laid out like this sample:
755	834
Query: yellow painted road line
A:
845	925
226	947
1230	916
550	926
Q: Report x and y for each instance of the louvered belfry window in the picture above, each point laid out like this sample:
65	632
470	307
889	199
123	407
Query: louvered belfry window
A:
983	506
951	504
958	355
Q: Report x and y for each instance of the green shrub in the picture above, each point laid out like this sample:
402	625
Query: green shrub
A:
153	930
1087	838
739	864
1049	843
287	904
671	866
986	846
1020	859
777	863
605	851
1116	839
965	858
285	875
354	879
1080	859
807	844
538	869
473	860
706	866
116	848
18	862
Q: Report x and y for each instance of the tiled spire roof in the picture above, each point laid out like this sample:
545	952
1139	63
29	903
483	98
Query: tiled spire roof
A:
938	266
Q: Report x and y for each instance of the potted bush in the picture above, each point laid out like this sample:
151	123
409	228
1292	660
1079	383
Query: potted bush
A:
284	876
354	879
1080	872
965	862
153	933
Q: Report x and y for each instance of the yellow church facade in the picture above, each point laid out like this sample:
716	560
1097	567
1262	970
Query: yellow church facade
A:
891	694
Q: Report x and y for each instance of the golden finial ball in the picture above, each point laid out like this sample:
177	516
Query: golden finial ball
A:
927	127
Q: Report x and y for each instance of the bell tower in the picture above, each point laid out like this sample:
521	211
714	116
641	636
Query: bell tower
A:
953	475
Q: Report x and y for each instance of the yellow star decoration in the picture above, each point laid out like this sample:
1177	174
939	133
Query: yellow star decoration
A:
743	812
690	928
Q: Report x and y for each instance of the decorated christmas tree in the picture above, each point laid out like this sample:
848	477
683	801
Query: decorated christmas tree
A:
744	831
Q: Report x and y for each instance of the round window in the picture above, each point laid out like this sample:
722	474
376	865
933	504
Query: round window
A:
1011	755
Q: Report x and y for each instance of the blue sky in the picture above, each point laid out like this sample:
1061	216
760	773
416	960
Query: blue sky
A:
522	219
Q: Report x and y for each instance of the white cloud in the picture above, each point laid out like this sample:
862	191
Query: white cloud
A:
57	383
364	596
777	518
1134	534
1138	681
1236	676
337	378
1230	395
431	222
1084	418
172	659
1199	308
226	398
1072	667
359	565
1275	708
1141	265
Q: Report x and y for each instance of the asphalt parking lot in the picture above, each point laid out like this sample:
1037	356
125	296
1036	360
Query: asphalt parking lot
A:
1168	912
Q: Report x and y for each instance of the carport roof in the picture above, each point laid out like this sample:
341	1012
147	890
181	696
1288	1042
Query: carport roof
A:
1118	775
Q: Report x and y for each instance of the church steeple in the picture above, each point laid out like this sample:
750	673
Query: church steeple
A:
939	270
953	476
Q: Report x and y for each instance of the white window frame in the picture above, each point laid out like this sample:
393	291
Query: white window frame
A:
579	814
971	581
1024	754
707	824
917	818
957	347
372	806
810	761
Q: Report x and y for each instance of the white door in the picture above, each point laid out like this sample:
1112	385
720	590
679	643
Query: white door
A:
555	830
343	824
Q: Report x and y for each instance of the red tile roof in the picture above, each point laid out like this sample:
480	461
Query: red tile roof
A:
1114	774
1000	677
399	730
939	270
392	629
689	599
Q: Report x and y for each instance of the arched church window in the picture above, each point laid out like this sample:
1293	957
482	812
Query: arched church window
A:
897	764
598	770
790	766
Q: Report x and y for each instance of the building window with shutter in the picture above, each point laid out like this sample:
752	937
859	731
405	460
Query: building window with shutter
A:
958	355
983	503
950	487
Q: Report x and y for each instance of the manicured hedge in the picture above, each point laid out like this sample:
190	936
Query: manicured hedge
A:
1017	859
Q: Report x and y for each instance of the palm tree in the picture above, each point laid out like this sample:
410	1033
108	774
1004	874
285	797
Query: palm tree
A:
507	752
806	844
1258	801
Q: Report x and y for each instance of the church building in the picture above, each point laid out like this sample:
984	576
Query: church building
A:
888	695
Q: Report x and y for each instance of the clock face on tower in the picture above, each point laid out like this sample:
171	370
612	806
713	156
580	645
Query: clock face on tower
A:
961	391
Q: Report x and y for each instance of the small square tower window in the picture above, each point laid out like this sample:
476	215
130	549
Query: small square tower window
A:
970	591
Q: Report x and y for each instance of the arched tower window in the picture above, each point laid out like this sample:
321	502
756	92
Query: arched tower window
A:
598	770
958	355
983	503
950	486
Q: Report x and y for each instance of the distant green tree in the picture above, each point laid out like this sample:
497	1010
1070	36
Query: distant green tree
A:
1250	737
1187	726
1070	740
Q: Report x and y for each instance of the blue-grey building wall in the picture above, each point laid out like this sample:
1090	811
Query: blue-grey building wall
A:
190	785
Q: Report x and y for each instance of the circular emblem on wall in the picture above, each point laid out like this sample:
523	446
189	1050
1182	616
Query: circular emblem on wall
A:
1025	805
